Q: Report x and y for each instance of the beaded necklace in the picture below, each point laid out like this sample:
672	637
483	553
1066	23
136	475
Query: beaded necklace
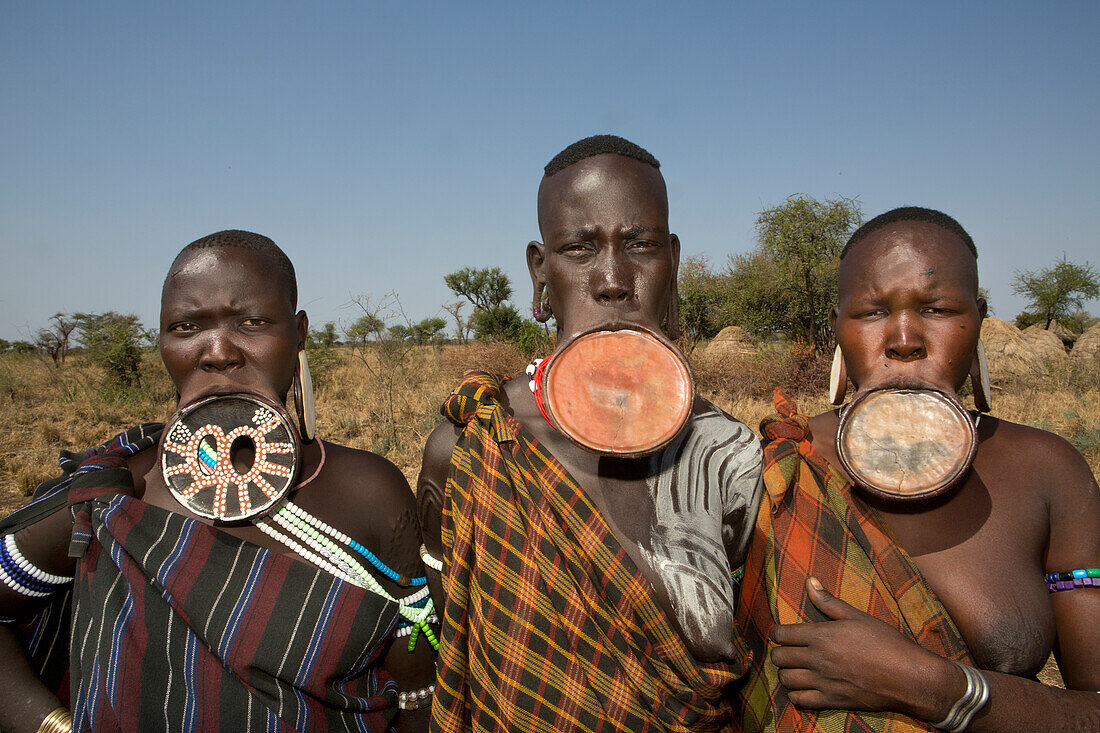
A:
534	381
327	548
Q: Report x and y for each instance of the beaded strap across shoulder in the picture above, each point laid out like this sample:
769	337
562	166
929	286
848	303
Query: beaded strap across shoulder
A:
328	548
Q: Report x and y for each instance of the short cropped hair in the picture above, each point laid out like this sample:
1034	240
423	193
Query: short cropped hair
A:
910	213
256	243
599	145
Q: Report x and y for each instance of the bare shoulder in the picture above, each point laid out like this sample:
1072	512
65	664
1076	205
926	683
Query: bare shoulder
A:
366	478
432	482
1030	462
1039	457
823	429
369	498
437	451
733	443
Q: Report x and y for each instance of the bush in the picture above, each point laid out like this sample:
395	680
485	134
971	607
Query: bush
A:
534	340
322	360
113	341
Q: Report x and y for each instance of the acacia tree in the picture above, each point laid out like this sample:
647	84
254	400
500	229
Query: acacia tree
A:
429	330
113	340
788	283
368	326
56	339
1056	292
462	326
488	289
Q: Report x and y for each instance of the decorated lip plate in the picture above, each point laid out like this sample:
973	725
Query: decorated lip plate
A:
906	443
229	458
623	392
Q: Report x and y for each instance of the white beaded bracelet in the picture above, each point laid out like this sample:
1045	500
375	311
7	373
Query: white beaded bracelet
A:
973	699
22	576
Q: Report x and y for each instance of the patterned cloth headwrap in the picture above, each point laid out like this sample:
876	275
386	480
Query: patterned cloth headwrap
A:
813	525
549	625
178	626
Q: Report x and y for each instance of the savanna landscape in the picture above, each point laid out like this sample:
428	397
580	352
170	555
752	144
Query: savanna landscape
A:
388	403
385	397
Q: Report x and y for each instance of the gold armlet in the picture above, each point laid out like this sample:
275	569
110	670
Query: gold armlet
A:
58	721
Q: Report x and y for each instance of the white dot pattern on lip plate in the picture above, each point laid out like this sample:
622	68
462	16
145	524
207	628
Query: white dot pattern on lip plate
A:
187	474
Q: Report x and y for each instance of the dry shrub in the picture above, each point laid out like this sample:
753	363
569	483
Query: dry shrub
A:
44	409
498	357
353	409
796	370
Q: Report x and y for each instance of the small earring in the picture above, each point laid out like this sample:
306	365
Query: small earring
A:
979	380
303	399
838	378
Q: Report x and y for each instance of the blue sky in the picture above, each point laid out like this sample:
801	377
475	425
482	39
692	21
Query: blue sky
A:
383	145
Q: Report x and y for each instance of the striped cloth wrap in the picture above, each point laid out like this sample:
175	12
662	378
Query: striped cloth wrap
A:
813	525
548	624
179	626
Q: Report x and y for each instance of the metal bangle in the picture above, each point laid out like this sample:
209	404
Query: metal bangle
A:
58	721
972	700
980	699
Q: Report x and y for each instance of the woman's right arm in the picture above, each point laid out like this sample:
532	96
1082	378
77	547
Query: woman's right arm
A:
43	545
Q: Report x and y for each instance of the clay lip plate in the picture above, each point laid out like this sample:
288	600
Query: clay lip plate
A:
228	412
623	392
906	443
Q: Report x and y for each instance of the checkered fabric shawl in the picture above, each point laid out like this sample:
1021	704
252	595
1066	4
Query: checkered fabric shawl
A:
548	625
814	525
178	626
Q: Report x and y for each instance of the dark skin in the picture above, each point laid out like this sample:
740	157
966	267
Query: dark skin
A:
228	325
607	257
909	315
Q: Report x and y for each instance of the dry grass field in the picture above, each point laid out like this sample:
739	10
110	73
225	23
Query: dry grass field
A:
390	407
44	409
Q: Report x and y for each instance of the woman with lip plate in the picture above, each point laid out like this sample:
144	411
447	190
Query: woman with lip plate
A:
889	613
298	618
588	591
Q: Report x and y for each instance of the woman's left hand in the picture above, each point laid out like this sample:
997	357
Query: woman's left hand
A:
856	662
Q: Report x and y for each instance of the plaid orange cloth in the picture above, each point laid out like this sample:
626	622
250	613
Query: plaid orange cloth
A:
549	625
814	525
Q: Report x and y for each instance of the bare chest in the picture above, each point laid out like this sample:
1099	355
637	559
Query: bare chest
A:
983	556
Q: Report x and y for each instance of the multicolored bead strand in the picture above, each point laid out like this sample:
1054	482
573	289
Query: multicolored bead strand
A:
1071	579
305	554
402	580
323	539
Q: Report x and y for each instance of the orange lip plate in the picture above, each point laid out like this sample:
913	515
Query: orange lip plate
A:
619	392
